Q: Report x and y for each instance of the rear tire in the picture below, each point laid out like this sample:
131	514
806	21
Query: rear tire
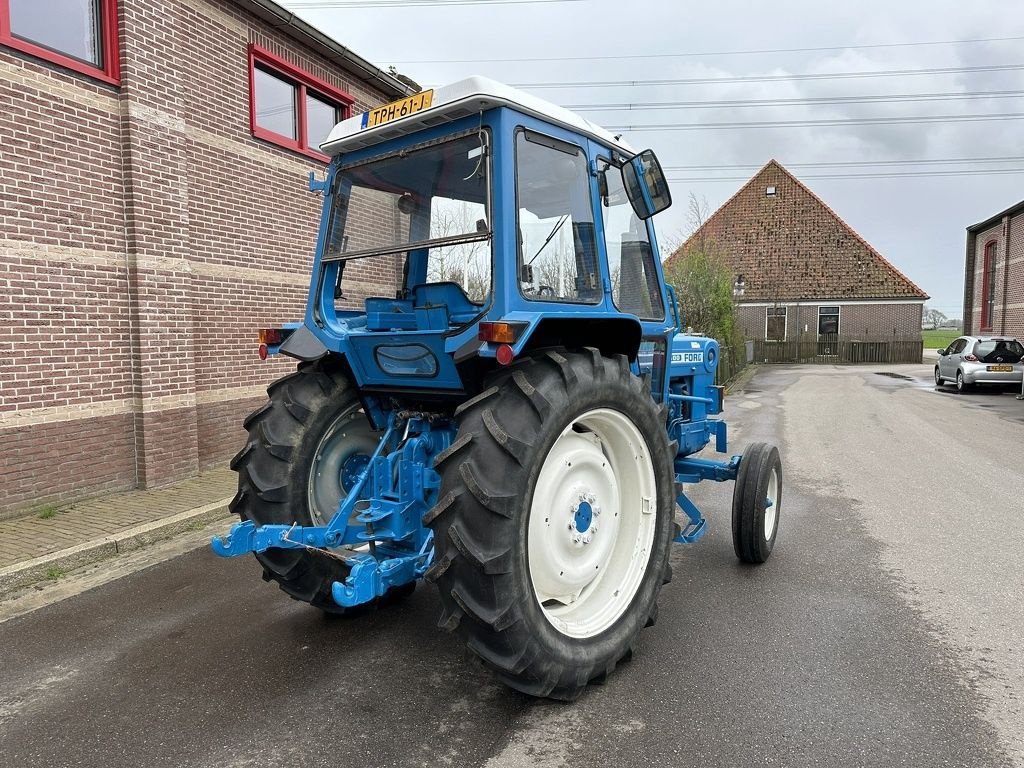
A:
961	385
284	470
755	521
561	469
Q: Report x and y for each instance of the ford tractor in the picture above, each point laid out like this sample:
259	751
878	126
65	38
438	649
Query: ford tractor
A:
516	416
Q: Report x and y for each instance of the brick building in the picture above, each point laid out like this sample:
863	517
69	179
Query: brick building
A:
803	276
154	157
994	275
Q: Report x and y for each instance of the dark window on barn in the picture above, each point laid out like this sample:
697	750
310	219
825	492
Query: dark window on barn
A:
828	321
78	34
775	324
291	107
988	286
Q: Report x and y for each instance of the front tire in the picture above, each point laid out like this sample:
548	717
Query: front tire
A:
554	521
757	503
938	378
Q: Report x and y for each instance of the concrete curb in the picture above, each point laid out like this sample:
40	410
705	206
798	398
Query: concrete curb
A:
29	572
738	382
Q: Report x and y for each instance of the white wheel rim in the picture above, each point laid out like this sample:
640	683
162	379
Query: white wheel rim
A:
592	522
349	435
771	509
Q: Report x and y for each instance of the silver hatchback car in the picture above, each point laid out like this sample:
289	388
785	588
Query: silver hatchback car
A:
974	360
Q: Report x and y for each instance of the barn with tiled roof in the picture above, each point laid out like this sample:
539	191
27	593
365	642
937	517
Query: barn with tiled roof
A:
801	272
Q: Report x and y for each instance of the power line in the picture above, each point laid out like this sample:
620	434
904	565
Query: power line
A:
896	98
910	120
774	78
893	175
378	4
694	54
849	163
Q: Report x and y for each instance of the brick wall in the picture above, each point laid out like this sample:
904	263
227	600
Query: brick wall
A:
862	321
1014	297
144	236
1008	310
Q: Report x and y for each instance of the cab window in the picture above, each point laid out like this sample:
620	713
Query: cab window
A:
557	253
635	287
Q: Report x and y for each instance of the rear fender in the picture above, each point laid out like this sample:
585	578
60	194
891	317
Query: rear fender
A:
611	335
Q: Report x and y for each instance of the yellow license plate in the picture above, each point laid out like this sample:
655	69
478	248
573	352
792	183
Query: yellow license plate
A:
398	109
1001	368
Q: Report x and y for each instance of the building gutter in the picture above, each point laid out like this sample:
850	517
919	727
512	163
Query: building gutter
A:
1010	212
305	32
969	267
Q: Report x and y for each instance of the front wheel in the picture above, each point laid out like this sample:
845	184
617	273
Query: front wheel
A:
555	521
938	377
757	503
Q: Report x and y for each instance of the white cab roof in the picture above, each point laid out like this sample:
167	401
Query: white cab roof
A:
461	99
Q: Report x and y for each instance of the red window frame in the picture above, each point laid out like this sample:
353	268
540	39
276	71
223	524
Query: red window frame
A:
108	72
988	285
303	82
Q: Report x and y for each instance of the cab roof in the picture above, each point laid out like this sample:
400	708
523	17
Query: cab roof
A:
457	100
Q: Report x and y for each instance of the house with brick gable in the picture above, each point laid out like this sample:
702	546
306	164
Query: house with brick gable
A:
154	212
806	284
994	275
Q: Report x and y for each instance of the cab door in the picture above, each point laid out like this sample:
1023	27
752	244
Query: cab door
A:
629	254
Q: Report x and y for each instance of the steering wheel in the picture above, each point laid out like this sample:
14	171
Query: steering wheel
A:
546	290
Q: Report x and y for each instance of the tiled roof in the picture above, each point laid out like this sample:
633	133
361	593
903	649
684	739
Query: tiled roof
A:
791	245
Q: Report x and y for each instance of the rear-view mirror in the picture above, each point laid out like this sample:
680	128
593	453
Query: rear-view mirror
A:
646	185
941	351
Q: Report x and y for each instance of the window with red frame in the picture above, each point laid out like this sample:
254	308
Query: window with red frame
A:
290	107
80	35
988	286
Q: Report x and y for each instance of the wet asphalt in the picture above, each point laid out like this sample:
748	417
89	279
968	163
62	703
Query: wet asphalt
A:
821	657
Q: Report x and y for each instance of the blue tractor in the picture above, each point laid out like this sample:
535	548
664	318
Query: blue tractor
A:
517	422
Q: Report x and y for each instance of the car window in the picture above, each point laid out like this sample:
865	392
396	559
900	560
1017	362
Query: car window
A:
999	351
957	346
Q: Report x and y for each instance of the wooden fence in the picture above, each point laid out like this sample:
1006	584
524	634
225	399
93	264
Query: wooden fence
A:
732	361
839	351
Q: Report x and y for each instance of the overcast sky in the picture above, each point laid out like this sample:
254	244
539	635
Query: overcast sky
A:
916	222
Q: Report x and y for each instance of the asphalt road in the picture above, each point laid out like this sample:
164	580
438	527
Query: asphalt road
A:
885	630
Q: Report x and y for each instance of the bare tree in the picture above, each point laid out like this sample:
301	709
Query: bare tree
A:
703	282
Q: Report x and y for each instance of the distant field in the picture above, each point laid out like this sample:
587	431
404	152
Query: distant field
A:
939	338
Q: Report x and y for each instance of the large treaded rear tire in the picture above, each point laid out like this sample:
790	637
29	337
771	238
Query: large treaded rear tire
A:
481	522
274	473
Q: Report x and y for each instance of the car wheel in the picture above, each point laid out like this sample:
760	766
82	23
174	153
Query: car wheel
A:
961	385
938	378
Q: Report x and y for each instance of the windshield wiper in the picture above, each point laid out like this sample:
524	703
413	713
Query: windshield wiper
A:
558	226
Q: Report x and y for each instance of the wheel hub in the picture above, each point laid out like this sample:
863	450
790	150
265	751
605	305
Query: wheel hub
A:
583	518
352	469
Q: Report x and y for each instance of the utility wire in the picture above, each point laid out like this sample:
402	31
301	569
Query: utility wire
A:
694	54
849	163
774	78
896	98
379	4
893	175
909	120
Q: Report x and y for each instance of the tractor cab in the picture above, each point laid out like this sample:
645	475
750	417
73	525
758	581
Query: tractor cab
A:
484	222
